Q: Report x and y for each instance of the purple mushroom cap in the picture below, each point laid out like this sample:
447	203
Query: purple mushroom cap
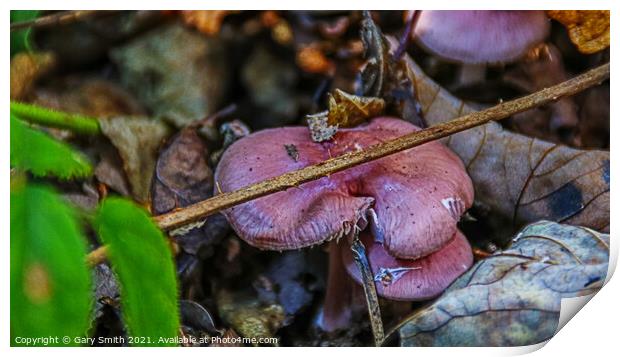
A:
418	194
413	280
480	36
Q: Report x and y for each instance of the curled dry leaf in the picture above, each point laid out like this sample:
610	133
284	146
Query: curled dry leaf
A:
177	73
513	298
587	29
344	111
521	179
197	317
207	22
348	110
137	140
182	177
109	171
385	76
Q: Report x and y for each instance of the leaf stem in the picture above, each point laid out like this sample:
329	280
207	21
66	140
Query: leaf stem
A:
80	124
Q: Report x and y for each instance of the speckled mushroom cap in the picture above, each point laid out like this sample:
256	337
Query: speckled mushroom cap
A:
412	280
480	36
418	194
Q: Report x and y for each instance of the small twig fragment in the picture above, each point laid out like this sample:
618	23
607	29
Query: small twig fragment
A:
370	290
60	18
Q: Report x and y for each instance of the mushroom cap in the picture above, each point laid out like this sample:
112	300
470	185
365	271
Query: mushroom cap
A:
480	36
418	194
412	280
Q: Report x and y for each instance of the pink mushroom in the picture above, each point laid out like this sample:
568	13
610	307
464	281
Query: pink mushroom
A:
410	201
480	36
413	280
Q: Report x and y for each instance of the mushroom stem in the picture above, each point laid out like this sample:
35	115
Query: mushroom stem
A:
337	311
370	290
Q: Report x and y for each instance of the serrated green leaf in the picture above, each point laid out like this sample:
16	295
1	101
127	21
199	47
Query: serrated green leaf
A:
50	282
42	155
143	263
20	39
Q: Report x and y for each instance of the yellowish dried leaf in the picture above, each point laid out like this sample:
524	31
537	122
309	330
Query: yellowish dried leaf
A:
587	29
344	111
348	110
208	22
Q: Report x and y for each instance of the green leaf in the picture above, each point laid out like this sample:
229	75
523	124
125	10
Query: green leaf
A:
50	282
142	260
35	151
20	39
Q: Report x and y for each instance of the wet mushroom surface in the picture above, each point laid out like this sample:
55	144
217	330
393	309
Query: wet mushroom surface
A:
417	195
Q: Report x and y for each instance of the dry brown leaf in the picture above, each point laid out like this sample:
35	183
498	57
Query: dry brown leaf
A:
587	29
513	298
182	177
137	140
90	96
345	110
519	178
26	68
109	171
348	110
208	22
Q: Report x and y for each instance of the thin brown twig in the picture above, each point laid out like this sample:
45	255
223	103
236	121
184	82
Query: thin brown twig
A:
412	20
200	210
370	290
60	18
